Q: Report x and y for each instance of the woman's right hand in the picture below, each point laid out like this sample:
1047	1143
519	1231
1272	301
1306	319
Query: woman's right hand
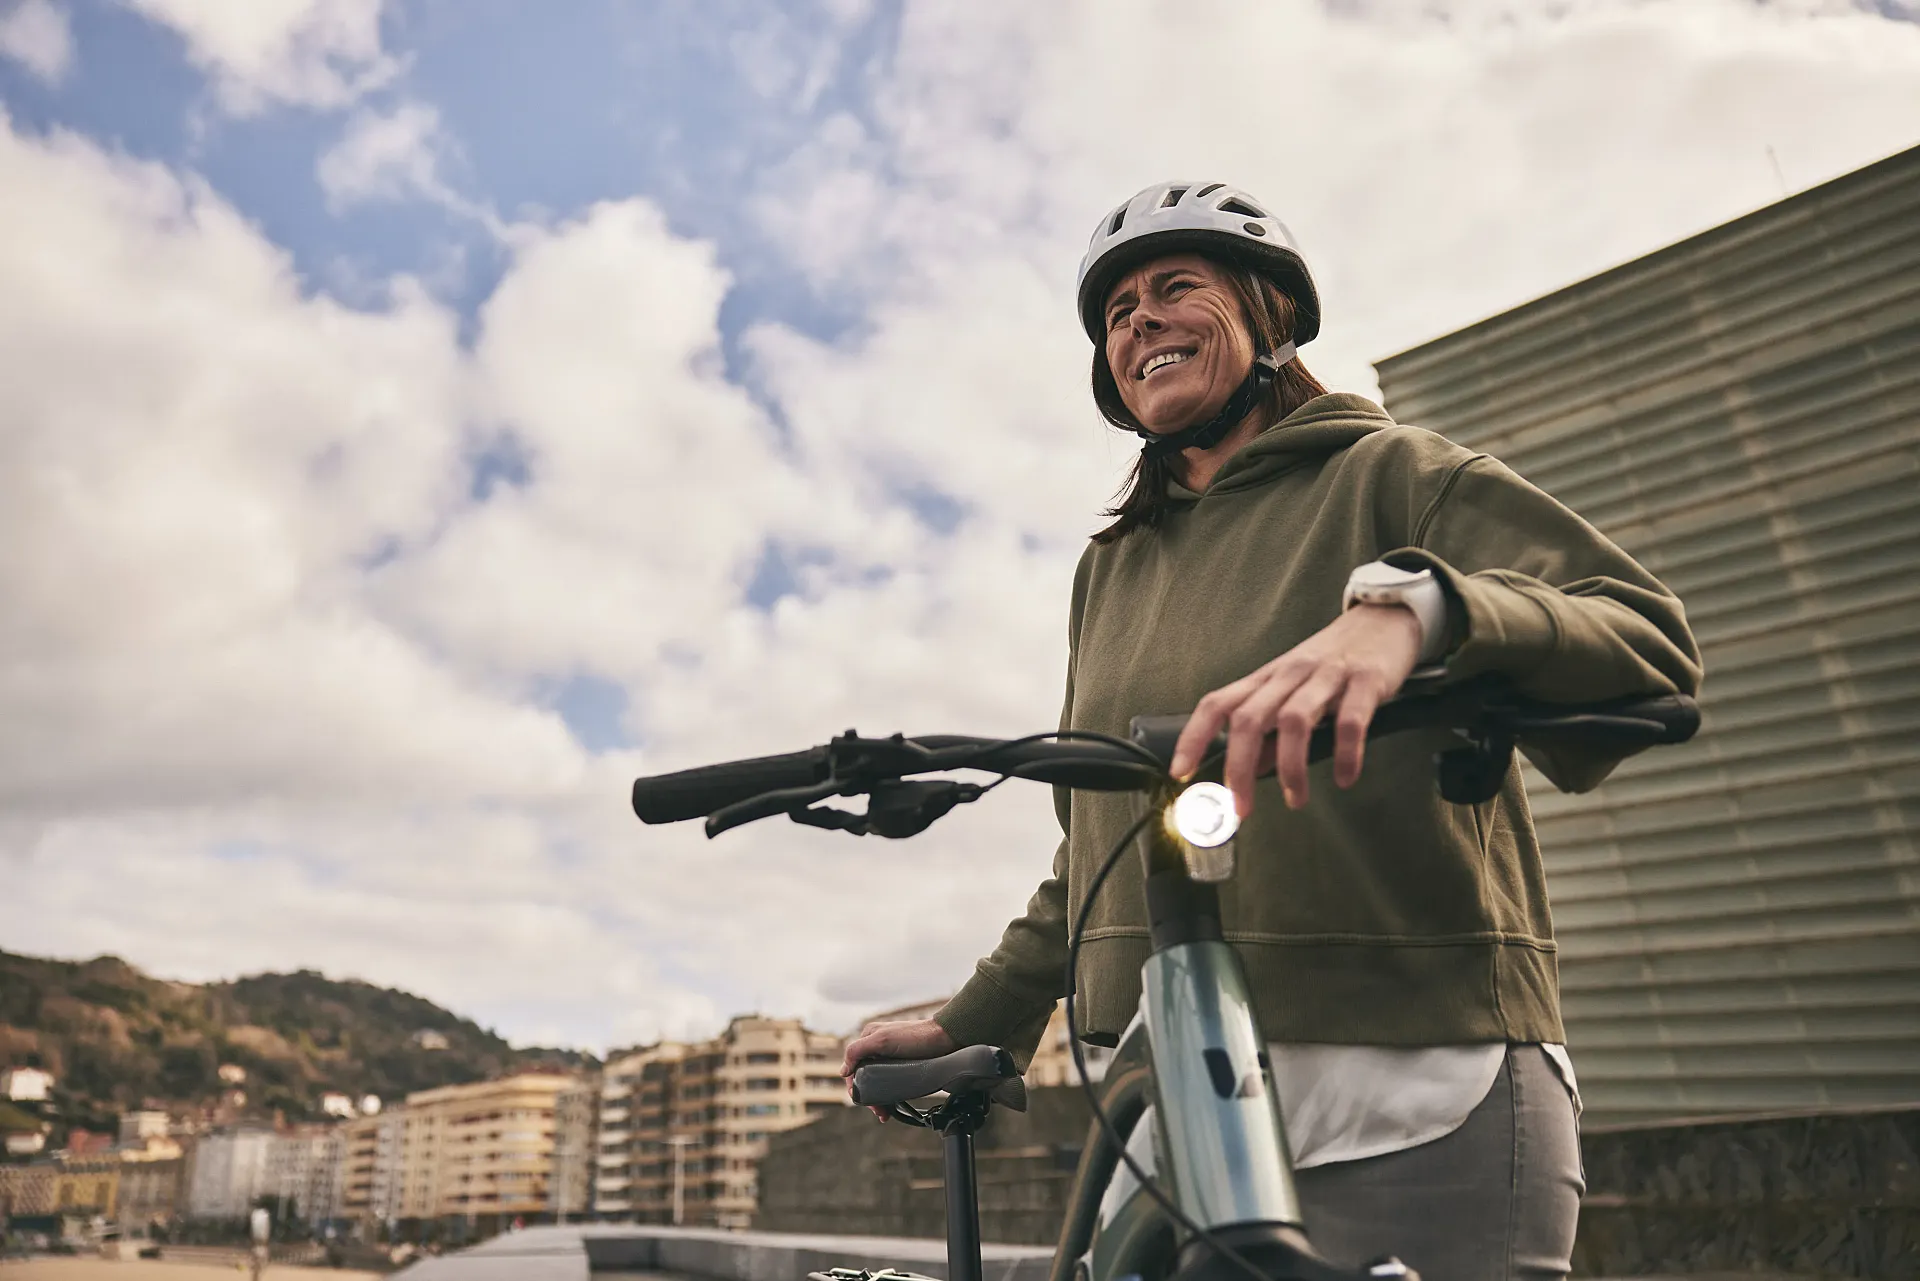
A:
907	1039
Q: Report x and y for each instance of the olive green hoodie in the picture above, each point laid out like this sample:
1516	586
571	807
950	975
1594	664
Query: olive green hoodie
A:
1381	914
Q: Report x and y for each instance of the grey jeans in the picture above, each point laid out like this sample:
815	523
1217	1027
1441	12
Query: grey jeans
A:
1498	1198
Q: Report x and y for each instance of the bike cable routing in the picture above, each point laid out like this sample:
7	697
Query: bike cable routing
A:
1488	719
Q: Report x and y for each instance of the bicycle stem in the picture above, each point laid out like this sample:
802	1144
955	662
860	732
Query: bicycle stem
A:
1227	1155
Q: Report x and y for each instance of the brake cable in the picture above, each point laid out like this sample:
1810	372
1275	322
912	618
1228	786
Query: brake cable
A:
1147	1183
896	806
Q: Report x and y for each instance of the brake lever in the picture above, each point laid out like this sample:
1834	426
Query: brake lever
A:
767	804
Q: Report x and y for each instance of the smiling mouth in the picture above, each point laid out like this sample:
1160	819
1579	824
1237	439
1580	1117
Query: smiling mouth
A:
1165	360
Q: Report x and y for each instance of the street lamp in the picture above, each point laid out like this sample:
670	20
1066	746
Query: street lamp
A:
680	1143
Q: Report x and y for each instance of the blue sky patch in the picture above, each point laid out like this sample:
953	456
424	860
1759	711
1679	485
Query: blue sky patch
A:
595	712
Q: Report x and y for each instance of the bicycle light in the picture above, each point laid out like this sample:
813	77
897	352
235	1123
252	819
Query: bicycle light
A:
1202	815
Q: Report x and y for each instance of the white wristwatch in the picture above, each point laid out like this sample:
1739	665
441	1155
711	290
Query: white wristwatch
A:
1378	583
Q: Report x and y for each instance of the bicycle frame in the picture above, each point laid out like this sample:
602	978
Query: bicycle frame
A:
1193	1066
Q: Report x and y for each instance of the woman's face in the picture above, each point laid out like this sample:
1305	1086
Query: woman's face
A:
1177	344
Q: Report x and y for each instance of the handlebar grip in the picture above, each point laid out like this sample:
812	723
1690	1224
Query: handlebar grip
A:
1644	722
1629	724
696	793
882	1083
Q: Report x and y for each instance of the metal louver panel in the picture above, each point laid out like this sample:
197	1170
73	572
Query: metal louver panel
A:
1739	918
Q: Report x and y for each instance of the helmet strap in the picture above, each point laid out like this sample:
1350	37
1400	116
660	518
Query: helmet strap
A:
1266	367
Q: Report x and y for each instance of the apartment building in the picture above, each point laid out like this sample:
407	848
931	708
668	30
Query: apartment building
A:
574	1109
150	1192
682	1127
371	1168
305	1169
635	1092
483	1152
228	1170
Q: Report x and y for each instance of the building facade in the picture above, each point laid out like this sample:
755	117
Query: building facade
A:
371	1169
137	1128
228	1172
149	1194
306	1172
632	1119
26	1084
682	1127
482	1153
27	1191
87	1188
1738	918
574	1143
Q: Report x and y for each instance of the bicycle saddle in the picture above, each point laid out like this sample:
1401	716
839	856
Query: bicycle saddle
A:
882	1083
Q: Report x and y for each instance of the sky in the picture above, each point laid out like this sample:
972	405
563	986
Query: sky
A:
420	417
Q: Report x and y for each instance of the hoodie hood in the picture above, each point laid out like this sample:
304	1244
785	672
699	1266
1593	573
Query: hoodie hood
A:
1324	425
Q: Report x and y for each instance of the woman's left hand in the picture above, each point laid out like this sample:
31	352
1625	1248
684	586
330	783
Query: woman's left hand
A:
1351	666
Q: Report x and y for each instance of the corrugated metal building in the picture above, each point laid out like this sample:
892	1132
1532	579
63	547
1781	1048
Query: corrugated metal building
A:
1739	919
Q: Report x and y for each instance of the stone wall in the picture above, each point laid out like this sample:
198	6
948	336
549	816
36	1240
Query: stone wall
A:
1833	1195
846	1173
1821	1195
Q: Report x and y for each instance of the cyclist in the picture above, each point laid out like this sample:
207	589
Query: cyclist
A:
1283	554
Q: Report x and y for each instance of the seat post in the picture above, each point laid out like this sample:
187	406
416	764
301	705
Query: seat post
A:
958	1119
963	1206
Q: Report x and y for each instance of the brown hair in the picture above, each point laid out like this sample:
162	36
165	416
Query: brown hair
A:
1269	315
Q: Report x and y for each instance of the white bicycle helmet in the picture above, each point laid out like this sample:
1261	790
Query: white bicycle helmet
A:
1171	217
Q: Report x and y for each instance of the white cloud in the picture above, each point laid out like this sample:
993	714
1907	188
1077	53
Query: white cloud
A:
397	156
314	53
270	669
36	34
1440	161
270	666
385	157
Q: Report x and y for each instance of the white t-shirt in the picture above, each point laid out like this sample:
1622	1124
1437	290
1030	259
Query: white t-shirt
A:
1346	1102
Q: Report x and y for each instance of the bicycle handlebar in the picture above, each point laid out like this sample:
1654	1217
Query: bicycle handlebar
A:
1630	723
1483	711
696	793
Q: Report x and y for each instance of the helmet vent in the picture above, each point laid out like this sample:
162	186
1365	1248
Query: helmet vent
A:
1173	197
1119	217
1208	190
1241	207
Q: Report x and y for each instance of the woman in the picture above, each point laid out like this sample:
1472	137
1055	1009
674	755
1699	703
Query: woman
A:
1283	555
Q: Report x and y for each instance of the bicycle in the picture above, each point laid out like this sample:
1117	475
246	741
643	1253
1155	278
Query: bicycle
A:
1230	1211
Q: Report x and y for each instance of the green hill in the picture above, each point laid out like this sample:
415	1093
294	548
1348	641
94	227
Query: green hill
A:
117	1039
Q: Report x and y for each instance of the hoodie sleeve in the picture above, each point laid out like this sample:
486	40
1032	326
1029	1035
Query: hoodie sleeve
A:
1547	599
1012	993
1013	990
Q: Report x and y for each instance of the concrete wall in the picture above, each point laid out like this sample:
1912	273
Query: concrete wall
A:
1829	1195
1834	1195
847	1173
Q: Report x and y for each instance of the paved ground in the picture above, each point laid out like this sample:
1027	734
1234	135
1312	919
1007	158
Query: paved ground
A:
48	1269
